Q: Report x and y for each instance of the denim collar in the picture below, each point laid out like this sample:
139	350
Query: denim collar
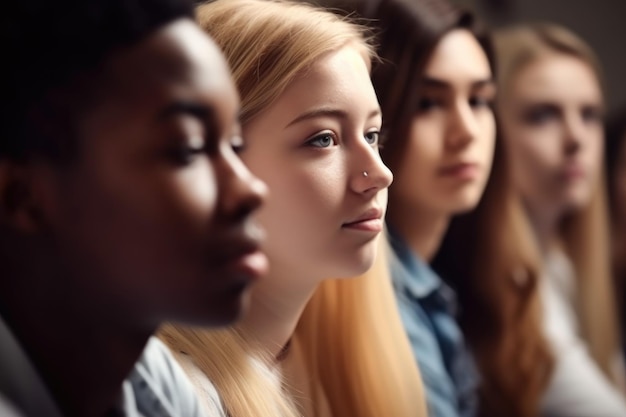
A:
410	272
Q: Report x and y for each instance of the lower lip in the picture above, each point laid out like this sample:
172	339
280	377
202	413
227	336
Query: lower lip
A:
371	225
573	173
253	265
461	172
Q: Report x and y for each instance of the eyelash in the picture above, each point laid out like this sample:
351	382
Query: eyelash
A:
185	154
315	139
311	142
238	144
477	101
426	103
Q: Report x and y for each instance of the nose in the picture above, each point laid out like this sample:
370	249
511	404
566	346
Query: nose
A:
368	172
462	127
240	192
573	134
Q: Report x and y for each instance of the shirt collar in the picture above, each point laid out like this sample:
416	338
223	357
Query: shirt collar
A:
411	272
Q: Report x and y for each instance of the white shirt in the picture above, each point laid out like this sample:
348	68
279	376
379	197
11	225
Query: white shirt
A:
156	386
577	388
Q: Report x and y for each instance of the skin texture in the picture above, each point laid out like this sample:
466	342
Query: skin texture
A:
311	147
314	168
447	159
150	221
552	120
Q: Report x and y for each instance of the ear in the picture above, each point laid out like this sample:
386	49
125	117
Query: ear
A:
18	203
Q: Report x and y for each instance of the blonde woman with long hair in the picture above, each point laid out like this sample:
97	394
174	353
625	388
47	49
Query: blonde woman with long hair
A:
551	106
310	346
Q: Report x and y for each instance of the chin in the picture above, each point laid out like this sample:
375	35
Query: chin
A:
576	199
464	203
357	264
220	310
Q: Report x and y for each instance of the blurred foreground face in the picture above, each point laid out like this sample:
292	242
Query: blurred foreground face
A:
312	147
450	150
154	214
552	120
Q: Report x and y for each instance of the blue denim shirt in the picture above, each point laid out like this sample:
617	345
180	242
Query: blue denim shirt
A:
427	308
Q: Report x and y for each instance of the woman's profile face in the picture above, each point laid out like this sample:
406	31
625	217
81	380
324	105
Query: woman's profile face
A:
552	121
316	148
448	155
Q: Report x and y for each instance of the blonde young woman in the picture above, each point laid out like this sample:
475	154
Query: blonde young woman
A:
310	346
551	107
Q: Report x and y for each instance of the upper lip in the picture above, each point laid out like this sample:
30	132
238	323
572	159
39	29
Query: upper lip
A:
236	245
373	213
574	165
457	165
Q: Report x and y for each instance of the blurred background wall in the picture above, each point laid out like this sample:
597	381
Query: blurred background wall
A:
602	23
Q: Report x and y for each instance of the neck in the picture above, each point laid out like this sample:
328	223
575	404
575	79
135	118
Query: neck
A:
545	224
423	230
81	360
275	309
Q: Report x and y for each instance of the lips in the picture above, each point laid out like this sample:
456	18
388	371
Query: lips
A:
461	170
241	254
369	221
573	172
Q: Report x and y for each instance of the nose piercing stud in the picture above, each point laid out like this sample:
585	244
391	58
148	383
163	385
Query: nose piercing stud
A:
365	173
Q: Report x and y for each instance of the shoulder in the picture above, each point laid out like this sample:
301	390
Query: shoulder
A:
159	380
7	409
209	397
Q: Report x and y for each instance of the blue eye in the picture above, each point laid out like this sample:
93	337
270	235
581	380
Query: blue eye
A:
372	138
324	140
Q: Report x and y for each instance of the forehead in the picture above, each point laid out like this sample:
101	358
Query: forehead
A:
557	77
458	56
178	62
338	80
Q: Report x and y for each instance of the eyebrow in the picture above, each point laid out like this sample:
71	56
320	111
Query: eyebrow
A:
191	108
328	112
441	84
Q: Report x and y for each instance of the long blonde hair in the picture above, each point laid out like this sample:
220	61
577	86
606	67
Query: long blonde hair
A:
584	233
352	339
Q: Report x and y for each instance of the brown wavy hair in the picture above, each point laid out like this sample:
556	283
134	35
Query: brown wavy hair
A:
487	255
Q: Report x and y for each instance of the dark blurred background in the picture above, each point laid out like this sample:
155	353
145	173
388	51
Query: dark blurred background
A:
602	23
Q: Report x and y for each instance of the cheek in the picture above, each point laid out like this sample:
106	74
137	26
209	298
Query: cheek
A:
536	152
304	194
424	149
595	151
487	139
148	223
414	175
